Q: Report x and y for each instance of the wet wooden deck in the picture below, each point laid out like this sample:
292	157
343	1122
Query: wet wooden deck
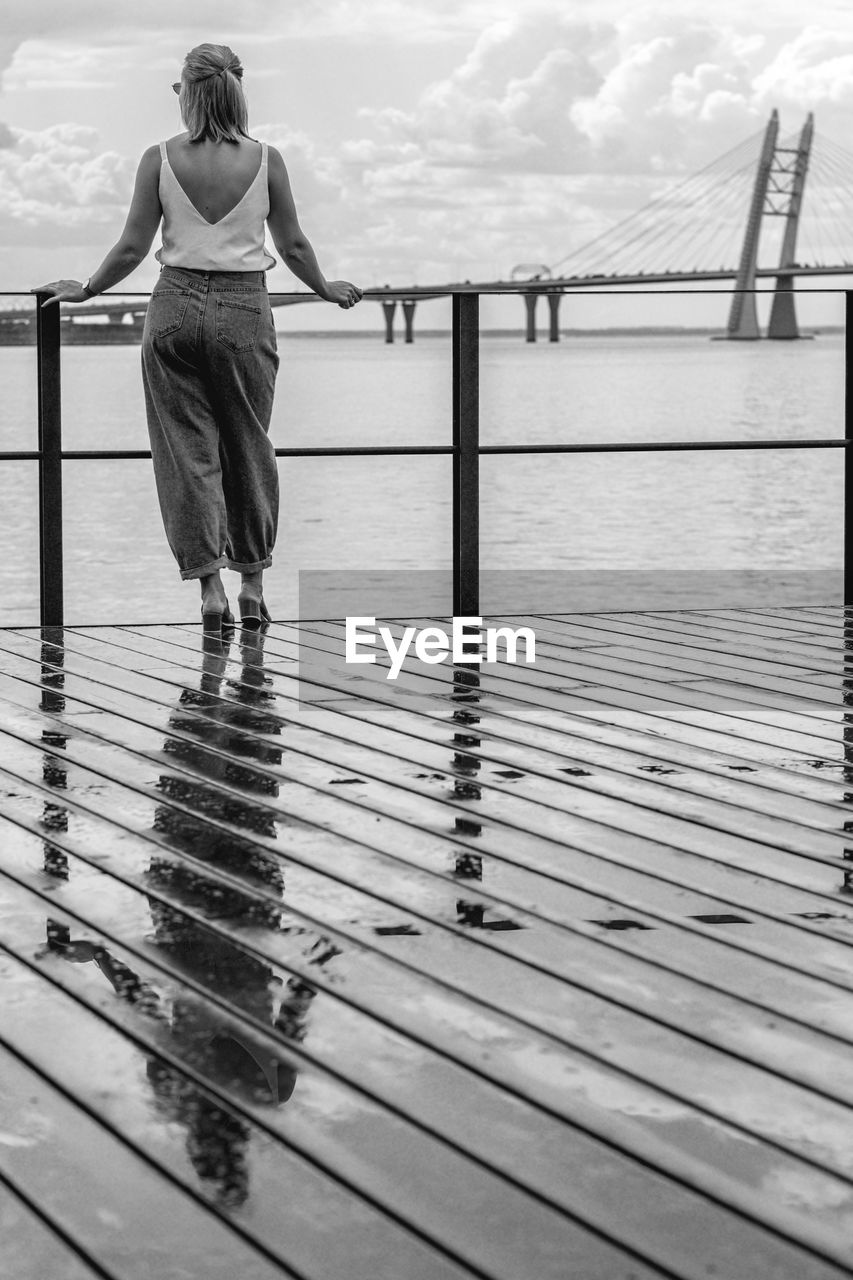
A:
545	973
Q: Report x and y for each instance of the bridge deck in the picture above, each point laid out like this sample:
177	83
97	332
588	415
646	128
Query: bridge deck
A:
543	977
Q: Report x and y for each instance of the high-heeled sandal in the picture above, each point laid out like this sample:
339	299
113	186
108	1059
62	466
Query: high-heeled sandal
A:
251	612
215	621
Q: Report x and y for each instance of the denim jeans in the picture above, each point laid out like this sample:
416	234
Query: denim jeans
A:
209	363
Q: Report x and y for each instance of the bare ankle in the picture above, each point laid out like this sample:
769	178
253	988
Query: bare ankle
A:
211	587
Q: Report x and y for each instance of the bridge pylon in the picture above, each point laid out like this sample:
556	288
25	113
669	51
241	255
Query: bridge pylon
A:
778	192
743	316
783	318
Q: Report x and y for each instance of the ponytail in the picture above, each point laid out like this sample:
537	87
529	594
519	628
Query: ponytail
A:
212	101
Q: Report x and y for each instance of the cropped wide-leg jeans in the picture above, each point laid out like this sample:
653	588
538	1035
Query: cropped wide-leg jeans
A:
209	363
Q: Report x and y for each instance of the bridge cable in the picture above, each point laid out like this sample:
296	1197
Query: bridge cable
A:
634	229
835	180
703	232
648	239
703	178
644	239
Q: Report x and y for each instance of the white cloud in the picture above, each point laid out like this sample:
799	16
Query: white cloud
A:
813	71
544	129
543	93
541	100
52	64
102	24
59	179
505	107
46	44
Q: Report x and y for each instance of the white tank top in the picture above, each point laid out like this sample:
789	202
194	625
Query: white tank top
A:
234	243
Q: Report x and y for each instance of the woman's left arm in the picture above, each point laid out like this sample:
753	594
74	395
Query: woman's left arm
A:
133	244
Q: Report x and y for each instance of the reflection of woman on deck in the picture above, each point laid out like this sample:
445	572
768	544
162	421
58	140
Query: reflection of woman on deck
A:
237	1057
228	1051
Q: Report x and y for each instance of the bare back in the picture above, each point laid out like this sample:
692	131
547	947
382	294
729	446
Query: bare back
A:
214	175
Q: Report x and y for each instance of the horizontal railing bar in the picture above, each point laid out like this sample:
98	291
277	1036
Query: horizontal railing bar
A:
663	446
511	289
355	451
95	455
89	455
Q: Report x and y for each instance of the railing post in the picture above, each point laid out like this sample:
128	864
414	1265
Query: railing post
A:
50	463
466	455
848	449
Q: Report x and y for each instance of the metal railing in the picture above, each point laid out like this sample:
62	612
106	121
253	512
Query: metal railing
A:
465	451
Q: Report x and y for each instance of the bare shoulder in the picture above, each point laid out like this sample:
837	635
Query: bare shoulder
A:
275	162
277	177
178	144
148	169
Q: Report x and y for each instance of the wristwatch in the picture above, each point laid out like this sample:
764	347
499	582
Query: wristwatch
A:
87	288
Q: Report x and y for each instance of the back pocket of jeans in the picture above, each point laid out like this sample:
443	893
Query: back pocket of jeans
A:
166	311
236	324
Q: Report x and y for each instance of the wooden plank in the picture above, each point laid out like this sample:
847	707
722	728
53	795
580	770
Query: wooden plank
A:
103	1195
565	687
650	630
170	1063
397	742
588	741
717	631
657	851
583	703
786	620
508	704
34	1246
87	897
510	889
390	822
596	1177
537	818
783	628
795	714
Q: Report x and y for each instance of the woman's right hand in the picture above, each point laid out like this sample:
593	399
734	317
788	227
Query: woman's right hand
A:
343	293
64	291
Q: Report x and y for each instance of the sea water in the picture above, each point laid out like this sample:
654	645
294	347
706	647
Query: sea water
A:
661	514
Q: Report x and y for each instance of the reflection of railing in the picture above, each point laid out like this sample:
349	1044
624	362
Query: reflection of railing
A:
465	451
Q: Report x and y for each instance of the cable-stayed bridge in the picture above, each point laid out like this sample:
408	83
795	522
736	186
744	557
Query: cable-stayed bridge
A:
749	201
771	207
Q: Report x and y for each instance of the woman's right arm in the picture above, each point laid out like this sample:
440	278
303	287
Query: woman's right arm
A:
293	244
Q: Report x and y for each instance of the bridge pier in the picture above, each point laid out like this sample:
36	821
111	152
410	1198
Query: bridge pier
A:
409	318
783	316
389	308
554	317
530	300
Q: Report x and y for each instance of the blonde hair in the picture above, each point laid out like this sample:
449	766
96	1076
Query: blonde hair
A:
212	101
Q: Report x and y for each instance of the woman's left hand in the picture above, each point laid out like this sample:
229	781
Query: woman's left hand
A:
63	291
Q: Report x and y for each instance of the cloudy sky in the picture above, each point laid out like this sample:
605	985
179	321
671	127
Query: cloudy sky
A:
427	140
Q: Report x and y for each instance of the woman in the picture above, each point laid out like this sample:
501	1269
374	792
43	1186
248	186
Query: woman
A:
209	356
